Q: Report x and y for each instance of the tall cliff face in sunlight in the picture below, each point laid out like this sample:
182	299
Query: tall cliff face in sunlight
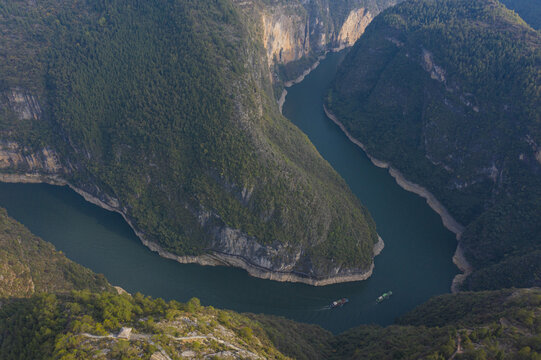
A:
294	33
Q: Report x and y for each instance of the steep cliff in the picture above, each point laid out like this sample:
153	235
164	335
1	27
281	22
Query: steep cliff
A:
165	112
295	33
448	93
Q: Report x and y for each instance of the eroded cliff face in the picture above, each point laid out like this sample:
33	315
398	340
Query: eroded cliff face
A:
18	158
354	26
23	104
291	31
284	35
23	107
299	30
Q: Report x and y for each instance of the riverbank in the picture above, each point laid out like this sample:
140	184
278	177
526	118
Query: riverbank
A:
448	221
211	259
306	72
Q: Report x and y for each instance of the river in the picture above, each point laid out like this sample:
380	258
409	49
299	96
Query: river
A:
415	264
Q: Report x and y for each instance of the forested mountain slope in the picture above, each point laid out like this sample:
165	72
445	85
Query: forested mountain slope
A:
449	93
529	10
29	265
81	325
164	111
502	324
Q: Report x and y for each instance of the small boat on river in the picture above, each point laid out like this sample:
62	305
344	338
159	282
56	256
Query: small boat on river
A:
339	303
385	296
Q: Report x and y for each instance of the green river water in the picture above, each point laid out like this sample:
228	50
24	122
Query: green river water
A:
415	264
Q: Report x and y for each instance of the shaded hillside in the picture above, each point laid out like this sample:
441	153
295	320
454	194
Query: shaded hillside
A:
486	325
449	93
164	111
29	265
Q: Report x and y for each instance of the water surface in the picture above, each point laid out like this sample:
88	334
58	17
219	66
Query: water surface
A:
415	264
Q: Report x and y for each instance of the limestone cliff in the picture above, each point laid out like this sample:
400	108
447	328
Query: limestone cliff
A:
354	26
297	32
19	158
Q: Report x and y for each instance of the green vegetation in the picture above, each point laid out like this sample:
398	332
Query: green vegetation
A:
166	105
485	325
30	265
488	325
297	340
448	92
83	325
529	10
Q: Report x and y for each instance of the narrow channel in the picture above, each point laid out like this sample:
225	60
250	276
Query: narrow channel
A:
415	264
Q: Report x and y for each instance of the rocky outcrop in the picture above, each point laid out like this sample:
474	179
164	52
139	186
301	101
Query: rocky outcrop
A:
284	35
15	157
436	72
23	104
354	26
296	30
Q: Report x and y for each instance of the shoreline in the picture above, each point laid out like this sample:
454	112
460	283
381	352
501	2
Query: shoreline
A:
448	221
211	259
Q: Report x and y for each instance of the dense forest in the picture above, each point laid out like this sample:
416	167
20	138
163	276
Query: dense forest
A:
448	92
167	106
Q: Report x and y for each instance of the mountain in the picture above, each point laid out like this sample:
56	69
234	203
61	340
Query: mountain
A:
448	93
503	324
29	265
487	325
165	112
84	325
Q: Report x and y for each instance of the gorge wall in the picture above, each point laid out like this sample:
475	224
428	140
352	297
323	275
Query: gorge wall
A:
294	33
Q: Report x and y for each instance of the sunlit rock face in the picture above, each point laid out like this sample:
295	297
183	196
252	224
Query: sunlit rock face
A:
292	30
